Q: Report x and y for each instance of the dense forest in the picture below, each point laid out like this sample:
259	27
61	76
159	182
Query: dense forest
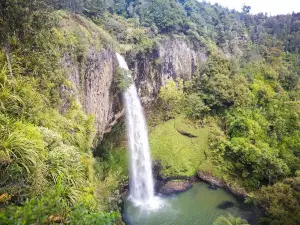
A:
53	168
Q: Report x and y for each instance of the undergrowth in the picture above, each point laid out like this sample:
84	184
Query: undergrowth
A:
45	136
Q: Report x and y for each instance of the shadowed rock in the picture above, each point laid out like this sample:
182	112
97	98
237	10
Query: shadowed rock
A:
173	187
213	181
212	187
216	182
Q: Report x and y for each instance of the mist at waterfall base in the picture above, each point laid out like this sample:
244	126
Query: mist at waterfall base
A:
141	207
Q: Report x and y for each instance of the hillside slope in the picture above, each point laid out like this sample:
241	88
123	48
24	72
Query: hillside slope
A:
230	78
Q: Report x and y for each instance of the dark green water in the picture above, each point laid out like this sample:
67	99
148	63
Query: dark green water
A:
197	206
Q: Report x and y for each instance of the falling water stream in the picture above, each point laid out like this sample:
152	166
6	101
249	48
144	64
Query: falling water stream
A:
140	177
198	206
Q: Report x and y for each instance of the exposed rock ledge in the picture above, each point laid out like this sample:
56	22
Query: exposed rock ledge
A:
186	133
174	187
216	182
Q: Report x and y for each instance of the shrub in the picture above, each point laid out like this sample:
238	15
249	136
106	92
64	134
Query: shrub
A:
170	98
52	208
230	220
194	106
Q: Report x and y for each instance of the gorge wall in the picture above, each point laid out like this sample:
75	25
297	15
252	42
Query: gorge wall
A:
94	79
174	58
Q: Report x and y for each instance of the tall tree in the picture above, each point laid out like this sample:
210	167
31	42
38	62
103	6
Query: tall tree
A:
246	9
72	5
94	7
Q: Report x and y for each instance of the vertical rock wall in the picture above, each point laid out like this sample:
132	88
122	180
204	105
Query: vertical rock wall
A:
93	79
174	58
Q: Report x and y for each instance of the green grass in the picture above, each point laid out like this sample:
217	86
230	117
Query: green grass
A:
179	155
184	156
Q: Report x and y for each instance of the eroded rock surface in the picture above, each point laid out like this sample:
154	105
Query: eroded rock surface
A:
174	187
93	81
93	76
174	58
216	182
208	178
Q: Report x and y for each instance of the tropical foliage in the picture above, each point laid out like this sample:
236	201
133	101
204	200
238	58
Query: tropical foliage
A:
242	104
230	220
46	138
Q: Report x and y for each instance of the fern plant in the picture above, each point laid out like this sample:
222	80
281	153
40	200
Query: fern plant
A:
230	220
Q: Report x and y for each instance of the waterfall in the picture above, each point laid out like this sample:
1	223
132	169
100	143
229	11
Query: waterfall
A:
141	183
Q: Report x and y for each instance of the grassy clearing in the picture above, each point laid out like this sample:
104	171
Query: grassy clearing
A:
179	155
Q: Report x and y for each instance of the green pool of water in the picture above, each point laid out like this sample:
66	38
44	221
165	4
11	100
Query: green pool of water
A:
198	206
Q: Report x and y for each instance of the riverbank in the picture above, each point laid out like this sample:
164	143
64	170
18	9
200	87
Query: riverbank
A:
168	185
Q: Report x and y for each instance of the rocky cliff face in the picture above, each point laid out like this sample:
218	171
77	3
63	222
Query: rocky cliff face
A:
174	58
93	79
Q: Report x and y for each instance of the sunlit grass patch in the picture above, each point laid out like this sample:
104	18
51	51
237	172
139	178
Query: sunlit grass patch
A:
180	155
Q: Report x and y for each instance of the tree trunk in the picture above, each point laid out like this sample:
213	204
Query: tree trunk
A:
6	46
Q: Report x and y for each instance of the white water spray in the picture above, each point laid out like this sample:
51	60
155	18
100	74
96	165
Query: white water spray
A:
140	177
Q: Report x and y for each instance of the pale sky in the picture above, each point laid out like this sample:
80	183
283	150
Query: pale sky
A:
270	6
